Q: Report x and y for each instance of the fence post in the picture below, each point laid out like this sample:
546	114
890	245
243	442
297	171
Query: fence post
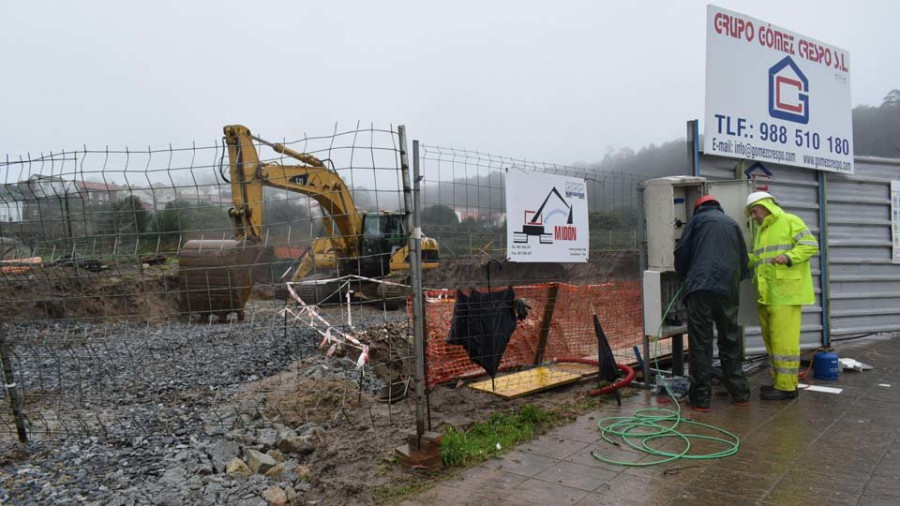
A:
10	386
824	267
415	271
417	219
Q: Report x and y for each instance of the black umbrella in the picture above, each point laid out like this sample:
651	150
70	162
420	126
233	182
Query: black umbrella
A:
605	360
606	363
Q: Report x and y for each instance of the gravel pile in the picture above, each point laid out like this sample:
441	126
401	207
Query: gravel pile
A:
162	415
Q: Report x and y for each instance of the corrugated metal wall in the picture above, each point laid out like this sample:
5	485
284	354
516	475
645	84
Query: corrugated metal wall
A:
865	284
862	283
797	191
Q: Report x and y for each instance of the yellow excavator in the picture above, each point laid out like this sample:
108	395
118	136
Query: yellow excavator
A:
216	276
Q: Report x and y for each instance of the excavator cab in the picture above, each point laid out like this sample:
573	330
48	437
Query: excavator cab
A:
383	235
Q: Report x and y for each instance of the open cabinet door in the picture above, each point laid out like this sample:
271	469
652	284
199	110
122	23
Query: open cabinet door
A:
733	195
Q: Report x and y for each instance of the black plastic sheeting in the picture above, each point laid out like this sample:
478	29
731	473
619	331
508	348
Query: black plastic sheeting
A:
482	324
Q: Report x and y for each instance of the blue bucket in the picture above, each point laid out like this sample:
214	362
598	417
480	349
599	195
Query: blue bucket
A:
826	366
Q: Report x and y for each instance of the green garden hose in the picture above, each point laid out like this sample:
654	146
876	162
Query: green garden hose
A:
650	428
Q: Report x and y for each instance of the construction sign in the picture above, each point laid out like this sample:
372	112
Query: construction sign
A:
775	96
546	218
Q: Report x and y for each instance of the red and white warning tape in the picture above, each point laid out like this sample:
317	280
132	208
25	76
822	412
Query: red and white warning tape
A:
343	278
331	335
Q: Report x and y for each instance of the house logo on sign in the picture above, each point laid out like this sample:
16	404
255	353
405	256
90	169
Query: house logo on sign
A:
788	92
760	175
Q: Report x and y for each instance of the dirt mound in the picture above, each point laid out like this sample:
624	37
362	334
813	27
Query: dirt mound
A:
472	271
297	401
121	293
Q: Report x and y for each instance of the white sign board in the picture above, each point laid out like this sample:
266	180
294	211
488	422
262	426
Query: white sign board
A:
775	96
546	218
895	219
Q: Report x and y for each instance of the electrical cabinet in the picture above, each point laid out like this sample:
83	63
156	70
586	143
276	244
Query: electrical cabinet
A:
668	205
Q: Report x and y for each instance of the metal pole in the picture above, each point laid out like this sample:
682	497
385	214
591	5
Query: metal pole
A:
417	219
71	235
415	275
825	271
693	146
10	386
642	266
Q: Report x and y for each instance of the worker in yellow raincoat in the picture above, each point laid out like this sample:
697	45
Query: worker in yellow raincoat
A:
782	247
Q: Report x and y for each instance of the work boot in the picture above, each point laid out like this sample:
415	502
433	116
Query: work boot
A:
777	395
740	399
697	407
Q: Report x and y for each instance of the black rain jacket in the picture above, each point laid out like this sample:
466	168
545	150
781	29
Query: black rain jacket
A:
712	254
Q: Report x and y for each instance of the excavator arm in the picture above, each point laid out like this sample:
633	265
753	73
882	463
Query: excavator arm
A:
248	177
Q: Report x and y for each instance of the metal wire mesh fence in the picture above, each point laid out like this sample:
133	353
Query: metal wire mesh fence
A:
106	336
95	305
464	208
188	306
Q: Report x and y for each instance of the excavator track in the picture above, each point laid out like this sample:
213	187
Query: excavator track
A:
330	292
391	295
368	292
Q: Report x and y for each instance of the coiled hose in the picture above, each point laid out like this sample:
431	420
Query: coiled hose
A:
652	427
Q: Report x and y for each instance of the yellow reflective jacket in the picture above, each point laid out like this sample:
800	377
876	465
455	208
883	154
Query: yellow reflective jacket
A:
783	233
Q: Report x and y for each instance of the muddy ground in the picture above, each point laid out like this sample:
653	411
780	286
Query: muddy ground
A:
358	463
355	462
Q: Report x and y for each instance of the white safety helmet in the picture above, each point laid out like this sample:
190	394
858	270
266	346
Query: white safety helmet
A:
756	197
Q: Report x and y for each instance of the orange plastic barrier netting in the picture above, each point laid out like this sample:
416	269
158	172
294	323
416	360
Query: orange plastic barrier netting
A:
570	332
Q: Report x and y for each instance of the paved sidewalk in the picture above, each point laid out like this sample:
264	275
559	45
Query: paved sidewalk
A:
819	449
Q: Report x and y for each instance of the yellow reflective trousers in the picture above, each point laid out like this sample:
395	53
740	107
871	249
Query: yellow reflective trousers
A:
780	327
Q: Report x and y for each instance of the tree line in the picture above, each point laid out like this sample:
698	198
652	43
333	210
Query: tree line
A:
128	225
876	130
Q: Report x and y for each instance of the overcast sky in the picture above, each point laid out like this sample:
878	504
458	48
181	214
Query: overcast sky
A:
558	81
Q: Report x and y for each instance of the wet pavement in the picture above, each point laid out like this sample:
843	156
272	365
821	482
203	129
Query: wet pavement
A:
819	449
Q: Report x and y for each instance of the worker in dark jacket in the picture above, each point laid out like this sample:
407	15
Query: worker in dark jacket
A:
711	258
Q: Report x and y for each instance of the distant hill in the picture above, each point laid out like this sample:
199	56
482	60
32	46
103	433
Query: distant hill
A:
876	130
666	159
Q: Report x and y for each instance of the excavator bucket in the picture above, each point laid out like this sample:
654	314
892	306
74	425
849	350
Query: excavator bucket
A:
216	277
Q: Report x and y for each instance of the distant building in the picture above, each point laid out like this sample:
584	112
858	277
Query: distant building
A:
154	198
485	216
209	197
46	187
45	196
92	192
11	204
